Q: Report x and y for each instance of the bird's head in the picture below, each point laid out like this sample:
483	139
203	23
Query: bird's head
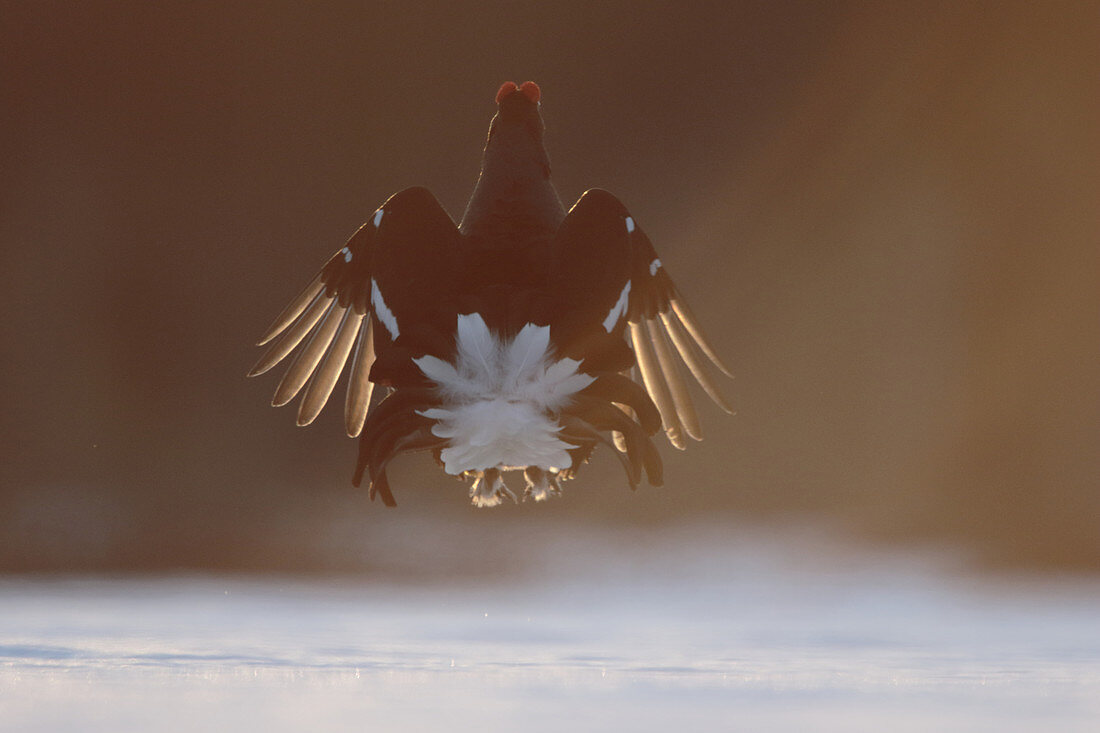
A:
515	134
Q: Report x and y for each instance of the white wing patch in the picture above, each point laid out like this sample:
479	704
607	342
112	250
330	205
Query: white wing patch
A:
618	310
654	266
629	225
378	217
347	254
382	310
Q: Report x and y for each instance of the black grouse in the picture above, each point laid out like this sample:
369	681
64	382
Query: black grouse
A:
519	340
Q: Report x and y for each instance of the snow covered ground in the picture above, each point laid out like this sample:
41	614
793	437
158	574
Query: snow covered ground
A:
672	634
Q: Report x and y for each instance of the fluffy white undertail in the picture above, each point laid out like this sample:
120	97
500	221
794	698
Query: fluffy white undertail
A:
500	401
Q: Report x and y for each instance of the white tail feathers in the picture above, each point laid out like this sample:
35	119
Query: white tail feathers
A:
500	399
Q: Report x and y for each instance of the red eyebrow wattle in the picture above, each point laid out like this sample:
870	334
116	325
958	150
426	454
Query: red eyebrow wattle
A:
505	89
531	90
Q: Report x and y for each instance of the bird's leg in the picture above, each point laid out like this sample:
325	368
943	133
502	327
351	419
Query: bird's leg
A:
541	484
488	489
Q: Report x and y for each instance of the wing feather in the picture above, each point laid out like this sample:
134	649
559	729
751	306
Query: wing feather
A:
360	388
293	309
655	383
290	339
681	399
685	346
301	369
692	325
324	378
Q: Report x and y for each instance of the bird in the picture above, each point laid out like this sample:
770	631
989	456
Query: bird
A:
519	340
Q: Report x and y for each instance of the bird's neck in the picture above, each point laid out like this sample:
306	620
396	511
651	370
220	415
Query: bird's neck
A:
514	204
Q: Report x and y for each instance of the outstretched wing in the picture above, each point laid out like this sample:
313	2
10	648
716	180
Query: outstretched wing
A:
354	305
624	283
659	322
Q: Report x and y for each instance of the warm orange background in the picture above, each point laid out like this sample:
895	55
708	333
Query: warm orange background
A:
887	214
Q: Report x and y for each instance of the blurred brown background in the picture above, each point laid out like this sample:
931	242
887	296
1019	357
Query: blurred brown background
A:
885	212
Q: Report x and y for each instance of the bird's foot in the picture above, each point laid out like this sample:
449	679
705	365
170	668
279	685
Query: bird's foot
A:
489	489
541	484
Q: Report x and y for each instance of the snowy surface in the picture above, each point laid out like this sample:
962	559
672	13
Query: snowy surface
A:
672	635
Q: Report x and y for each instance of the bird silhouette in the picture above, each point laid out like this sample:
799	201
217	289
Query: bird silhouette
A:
519	340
